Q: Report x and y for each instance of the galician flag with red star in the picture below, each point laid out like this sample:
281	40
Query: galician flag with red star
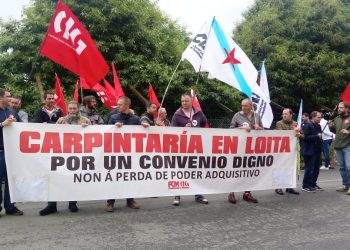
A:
227	62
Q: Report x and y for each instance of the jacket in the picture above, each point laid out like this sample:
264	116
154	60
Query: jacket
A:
341	140
126	119
147	118
311	143
180	119
42	116
91	115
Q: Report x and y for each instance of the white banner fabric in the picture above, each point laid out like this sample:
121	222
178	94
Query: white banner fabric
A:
49	162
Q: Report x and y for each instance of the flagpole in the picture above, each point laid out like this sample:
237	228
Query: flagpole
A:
81	93
200	66
166	90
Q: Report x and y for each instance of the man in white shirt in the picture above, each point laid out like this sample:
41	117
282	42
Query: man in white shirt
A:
327	137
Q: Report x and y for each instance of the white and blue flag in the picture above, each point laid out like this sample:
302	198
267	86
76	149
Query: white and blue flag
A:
227	62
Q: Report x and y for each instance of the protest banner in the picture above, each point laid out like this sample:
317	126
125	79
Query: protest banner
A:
49	162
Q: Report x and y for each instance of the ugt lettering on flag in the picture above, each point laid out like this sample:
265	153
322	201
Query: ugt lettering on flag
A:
69	44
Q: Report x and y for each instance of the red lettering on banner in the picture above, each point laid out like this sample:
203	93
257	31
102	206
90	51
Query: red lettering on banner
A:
170	143
139	141
277	140
153	144
195	144
285	145
269	145
183	142
122	142
248	146
72	143
54	142
216	145
25	145
51	142
178	185
92	140
230	144
107	142
262	145
225	145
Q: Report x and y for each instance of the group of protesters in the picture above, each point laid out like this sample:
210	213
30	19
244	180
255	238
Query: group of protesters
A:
310	135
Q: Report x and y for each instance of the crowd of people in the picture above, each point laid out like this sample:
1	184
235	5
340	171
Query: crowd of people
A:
315	134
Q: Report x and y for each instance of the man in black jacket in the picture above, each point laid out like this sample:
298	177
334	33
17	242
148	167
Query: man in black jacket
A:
48	113
147	118
311	147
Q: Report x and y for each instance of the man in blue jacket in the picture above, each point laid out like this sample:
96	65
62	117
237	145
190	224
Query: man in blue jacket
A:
124	117
7	116
311	147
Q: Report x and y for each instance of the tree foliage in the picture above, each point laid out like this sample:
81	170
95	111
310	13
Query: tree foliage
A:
306	45
144	44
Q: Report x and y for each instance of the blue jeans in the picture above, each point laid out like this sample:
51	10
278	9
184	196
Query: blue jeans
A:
343	158
3	176
326	150
312	170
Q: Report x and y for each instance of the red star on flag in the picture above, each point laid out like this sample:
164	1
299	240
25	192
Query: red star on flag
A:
231	58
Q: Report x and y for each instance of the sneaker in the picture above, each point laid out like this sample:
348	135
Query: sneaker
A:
109	207
247	196
176	201
133	205
343	189
309	190
15	212
331	167
48	210
202	200
73	207
348	192
279	191
292	191
231	198
317	188
324	168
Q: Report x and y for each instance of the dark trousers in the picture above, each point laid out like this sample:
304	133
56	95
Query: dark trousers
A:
128	201
54	203
3	177
312	169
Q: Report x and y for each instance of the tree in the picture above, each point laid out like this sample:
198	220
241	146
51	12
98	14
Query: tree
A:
144	44
306	45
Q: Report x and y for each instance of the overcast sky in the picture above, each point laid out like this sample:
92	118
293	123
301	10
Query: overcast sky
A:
190	13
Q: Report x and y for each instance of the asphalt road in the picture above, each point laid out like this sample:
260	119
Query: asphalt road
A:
309	221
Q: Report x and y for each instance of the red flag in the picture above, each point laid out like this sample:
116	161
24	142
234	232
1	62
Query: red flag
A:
118	87
345	97
153	98
195	102
104	96
110	91
69	44
84	84
59	97
76	91
196	105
